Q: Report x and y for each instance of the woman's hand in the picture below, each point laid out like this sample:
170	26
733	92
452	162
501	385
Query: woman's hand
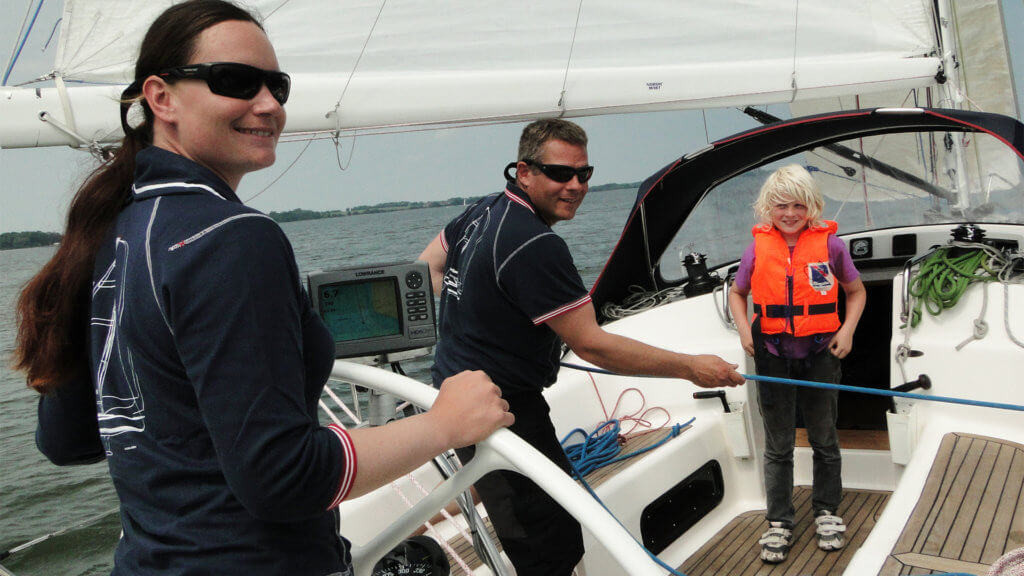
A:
469	408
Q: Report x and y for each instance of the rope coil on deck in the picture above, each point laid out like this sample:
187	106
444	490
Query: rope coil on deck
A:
602	446
947	272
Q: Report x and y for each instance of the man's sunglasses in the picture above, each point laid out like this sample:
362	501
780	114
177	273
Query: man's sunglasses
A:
562	173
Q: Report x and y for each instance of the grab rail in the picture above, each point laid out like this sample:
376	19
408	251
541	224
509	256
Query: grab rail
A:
502	450
905	301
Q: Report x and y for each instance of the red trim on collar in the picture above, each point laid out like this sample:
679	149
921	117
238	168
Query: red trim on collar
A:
519	200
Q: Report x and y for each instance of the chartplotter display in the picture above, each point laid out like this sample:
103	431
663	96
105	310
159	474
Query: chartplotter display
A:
376	309
360	310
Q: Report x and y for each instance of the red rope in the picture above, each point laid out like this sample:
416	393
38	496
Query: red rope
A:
638	418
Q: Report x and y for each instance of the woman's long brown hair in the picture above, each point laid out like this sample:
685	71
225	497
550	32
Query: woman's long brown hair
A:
53	309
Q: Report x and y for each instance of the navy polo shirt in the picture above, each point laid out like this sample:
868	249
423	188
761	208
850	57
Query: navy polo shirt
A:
207	365
506	274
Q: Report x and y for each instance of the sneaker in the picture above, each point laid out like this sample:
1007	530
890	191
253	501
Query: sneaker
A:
775	543
830	530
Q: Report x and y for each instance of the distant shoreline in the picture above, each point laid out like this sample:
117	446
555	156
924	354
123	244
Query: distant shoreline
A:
299	214
15	240
33	239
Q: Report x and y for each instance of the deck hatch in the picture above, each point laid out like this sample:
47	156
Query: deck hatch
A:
680	507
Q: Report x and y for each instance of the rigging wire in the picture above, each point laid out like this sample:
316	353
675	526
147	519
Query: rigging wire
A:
796	30
11	60
283	172
274	11
568	62
53	31
337	152
348	81
23	35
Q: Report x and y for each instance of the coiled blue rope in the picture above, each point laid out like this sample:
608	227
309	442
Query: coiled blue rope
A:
600	448
844	387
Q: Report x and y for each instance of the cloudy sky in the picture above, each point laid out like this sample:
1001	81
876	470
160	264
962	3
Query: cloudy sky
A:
37	184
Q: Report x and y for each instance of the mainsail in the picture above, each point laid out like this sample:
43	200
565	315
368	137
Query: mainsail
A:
359	65
978	76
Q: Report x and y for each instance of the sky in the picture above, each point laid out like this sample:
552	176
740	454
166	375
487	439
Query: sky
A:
36	185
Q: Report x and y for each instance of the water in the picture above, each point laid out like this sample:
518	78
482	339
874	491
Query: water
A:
37	498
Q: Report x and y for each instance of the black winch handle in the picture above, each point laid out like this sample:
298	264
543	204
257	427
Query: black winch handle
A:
720	394
923	381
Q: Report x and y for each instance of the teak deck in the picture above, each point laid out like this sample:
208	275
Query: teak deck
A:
970	512
735	551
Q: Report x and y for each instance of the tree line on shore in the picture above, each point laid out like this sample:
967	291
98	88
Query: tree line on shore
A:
13	240
300	214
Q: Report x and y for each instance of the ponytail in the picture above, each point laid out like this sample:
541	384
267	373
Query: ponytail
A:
54	307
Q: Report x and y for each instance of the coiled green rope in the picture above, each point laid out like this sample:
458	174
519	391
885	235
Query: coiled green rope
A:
944	277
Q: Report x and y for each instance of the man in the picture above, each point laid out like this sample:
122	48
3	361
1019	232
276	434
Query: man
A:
509	293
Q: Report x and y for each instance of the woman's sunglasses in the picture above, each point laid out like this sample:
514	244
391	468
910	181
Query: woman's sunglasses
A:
562	173
228	79
234	80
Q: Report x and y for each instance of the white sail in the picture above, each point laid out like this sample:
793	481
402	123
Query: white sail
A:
364	65
979	77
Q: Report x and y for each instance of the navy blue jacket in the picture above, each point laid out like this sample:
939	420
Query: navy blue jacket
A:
207	365
506	274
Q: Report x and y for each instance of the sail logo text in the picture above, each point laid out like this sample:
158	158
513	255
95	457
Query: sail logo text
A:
654	85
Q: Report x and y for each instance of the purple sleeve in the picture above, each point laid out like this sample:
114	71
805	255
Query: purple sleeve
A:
842	264
742	280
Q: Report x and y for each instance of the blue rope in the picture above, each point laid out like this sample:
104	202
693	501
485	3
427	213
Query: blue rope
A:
21	45
857	389
878	392
599	449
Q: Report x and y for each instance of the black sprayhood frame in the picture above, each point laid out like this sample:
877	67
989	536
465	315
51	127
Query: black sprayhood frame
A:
665	199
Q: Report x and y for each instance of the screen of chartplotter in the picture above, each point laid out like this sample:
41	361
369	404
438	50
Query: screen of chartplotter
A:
376	309
360	310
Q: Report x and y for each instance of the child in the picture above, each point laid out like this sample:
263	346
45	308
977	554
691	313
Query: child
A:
792	268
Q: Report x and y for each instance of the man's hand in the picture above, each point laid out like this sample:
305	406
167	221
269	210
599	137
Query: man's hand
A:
709	371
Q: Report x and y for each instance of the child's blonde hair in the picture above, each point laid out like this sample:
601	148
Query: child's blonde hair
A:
790	183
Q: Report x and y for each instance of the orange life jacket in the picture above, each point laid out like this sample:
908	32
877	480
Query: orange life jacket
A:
797	295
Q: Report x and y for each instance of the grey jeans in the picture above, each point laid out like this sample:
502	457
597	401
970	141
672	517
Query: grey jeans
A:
819	408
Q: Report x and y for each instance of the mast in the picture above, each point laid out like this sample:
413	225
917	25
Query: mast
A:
950	87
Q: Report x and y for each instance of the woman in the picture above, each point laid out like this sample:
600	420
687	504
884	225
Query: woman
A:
170	334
